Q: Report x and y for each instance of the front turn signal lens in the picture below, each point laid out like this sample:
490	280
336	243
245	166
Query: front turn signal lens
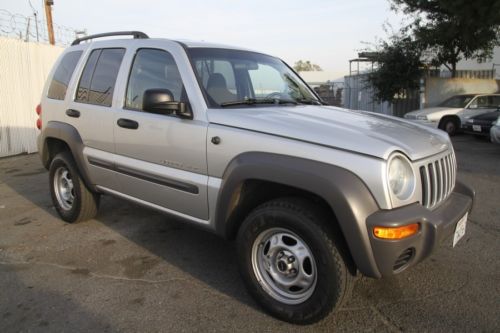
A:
396	232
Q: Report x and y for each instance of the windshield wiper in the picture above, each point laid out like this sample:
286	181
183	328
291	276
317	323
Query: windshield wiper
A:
253	101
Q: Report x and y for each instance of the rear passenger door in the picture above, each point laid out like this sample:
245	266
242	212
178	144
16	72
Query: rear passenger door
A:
162	158
92	112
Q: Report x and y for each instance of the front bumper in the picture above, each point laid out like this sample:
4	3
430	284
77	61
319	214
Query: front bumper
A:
435	226
433	124
485	129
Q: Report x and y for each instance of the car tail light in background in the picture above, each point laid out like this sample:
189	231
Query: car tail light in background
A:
39	113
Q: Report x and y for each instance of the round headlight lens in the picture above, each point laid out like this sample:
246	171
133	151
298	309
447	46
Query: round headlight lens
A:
401	178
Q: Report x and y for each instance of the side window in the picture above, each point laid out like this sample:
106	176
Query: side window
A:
82	93
152	69
99	77
495	101
62	75
482	102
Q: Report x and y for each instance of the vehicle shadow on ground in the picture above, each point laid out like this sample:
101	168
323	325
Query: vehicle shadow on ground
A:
203	255
208	258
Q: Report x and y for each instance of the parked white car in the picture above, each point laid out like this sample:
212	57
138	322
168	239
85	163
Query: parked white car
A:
495	132
452	114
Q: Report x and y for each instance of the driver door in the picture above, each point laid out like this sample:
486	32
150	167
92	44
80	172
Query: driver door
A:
160	159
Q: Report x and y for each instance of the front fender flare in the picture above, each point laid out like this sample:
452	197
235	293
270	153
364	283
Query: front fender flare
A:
346	194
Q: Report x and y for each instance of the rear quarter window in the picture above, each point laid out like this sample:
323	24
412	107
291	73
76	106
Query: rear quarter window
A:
98	79
59	82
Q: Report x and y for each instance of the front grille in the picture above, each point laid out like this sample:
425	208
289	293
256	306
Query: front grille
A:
438	179
403	259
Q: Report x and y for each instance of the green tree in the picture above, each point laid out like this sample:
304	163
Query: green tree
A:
398	67
451	30
306	66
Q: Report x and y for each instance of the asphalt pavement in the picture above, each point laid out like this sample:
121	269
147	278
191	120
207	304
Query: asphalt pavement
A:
134	270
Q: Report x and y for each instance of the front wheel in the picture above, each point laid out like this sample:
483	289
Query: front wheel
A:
450	126
290	261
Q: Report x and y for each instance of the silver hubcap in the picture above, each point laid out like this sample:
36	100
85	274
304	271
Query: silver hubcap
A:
284	266
63	188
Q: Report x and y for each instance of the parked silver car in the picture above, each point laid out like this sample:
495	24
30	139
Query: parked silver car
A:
235	142
452	114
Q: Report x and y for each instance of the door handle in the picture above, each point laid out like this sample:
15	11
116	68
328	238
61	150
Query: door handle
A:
127	123
73	113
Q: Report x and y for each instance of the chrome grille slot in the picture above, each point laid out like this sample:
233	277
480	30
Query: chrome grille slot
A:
437	177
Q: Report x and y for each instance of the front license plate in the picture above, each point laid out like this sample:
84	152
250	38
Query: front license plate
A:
460	229
476	128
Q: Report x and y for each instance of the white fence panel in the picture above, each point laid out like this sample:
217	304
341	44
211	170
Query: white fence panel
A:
23	70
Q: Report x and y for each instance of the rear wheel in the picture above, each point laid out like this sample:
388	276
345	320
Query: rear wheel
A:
290	262
72	199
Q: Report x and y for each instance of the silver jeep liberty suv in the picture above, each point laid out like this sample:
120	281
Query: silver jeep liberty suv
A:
236	142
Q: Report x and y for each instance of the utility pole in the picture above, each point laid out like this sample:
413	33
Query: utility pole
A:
48	14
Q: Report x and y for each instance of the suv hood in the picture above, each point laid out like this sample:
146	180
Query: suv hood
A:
362	132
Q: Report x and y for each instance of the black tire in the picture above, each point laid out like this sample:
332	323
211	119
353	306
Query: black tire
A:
334	282
84	203
450	126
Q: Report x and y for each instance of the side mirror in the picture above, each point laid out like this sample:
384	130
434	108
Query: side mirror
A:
161	101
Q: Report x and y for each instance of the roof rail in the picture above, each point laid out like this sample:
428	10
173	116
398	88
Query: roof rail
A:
136	34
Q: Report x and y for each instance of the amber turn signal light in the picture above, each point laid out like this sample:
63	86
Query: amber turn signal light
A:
396	232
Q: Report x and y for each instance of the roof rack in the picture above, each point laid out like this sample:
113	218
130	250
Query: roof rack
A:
136	34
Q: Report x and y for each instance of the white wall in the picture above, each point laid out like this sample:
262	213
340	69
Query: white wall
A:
23	70
439	89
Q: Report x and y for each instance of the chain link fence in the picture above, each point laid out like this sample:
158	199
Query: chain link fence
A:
34	29
330	92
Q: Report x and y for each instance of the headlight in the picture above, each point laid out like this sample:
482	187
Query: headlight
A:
421	117
400	177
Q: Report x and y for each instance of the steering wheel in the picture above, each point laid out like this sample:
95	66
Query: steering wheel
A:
275	95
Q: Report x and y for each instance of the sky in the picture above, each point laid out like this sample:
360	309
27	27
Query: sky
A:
326	32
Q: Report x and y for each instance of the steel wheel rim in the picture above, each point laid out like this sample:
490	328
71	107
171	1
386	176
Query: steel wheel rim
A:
284	266
63	188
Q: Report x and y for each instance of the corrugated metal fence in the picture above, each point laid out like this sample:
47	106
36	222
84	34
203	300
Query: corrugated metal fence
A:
359	95
23	70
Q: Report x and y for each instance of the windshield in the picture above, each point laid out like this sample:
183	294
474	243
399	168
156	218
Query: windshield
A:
459	101
235	78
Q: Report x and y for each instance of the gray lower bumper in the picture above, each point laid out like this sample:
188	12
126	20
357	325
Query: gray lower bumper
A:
435	226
